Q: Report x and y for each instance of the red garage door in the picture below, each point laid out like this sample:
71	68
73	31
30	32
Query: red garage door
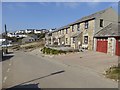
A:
118	46
102	45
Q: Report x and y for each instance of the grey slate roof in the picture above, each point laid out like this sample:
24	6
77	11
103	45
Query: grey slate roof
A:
92	16
110	30
89	17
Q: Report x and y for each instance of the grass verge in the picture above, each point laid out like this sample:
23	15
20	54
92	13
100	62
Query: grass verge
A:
113	73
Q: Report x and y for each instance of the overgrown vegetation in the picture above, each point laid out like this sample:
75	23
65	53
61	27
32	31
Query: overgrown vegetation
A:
113	73
32	46
28	46
15	47
52	51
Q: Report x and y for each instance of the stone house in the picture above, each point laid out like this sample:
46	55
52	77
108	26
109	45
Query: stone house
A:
92	24
108	40
80	34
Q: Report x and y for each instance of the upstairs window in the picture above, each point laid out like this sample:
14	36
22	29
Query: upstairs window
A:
86	25
50	34
66	31
62	31
101	22
73	39
78	27
72	28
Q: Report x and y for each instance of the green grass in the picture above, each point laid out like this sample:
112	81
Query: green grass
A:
113	73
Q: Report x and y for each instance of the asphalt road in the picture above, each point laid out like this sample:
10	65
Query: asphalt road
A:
26	70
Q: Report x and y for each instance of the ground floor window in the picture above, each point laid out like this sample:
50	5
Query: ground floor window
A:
66	40
73	39
86	39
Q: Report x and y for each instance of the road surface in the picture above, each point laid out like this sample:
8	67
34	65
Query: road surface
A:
27	70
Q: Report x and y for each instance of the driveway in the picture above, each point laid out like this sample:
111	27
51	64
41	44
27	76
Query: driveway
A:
96	61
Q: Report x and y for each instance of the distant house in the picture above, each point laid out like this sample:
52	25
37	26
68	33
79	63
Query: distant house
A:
20	32
3	42
11	35
30	38
29	31
21	35
37	31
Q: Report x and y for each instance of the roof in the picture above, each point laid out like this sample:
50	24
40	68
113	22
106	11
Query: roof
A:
92	16
64	27
89	17
110	30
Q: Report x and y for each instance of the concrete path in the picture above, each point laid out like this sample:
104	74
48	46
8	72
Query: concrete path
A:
34	69
96	61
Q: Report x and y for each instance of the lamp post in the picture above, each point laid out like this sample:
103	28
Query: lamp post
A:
6	50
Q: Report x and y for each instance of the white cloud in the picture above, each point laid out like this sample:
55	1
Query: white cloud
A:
68	4
72	4
60	4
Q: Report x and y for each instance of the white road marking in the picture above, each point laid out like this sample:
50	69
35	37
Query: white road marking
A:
5	78
8	70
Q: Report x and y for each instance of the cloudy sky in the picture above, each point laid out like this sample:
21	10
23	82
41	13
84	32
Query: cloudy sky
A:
38	15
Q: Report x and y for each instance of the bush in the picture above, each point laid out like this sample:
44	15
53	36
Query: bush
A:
52	51
47	50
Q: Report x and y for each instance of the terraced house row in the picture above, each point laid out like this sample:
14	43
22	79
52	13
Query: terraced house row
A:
83	32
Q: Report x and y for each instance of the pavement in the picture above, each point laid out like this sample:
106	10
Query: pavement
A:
32	69
96	61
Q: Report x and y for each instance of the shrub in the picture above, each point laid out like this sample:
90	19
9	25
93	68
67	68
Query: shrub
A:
48	50
52	51
55	51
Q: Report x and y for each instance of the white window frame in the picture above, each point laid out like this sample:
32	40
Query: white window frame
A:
86	25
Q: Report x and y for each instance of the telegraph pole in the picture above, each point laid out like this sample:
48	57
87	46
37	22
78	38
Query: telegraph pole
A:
6	51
